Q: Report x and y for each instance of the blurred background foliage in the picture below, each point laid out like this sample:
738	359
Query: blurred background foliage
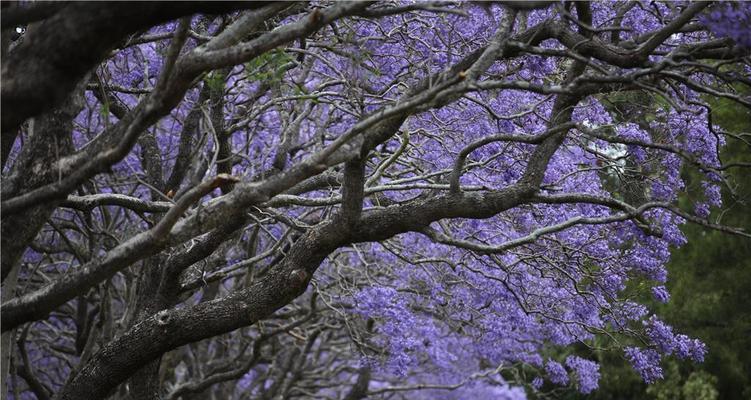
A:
710	285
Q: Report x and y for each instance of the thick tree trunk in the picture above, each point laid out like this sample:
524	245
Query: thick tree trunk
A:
8	287
56	54
49	140
144	384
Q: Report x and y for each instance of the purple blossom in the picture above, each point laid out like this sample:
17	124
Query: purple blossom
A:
646	362
556	373
702	210
661	294
730	19
662	336
399	297
537	382
587	373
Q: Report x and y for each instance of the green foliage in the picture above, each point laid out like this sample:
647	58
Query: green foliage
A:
699	385
215	80
268	66
710	280
104	110
710	286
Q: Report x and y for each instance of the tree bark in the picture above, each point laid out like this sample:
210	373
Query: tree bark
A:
56	54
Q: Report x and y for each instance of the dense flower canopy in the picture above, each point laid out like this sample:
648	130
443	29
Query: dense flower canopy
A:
348	200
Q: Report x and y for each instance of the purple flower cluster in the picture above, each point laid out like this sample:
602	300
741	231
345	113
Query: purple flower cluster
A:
646	362
667	342
587	373
421	310
556	373
730	19
661	294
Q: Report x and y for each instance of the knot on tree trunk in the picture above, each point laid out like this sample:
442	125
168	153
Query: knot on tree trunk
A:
298	279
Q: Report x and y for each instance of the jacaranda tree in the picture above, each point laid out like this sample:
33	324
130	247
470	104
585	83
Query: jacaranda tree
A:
342	200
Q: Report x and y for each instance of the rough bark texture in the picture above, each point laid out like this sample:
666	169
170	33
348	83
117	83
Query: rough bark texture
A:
187	219
48	142
56	54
